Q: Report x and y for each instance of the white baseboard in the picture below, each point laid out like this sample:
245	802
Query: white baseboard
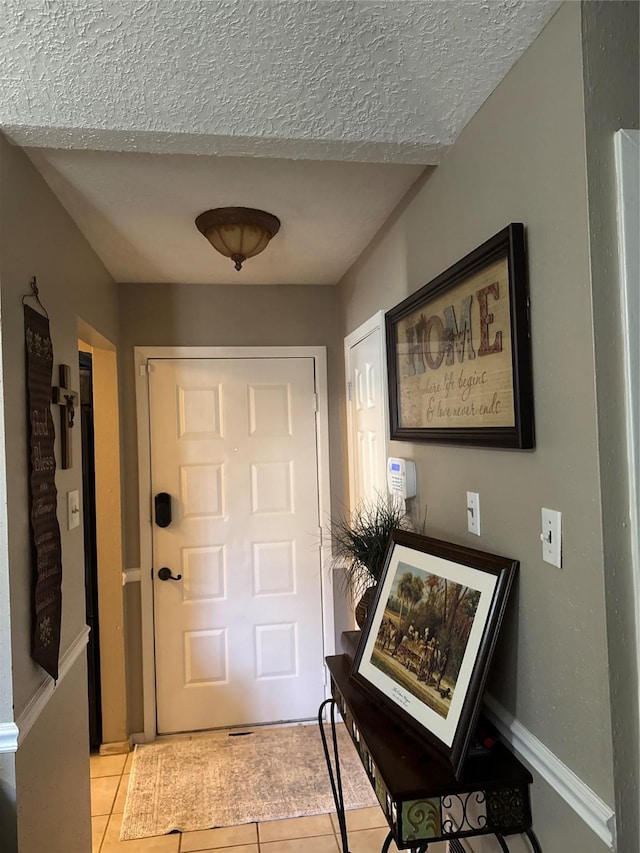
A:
598	816
137	737
8	737
120	747
38	702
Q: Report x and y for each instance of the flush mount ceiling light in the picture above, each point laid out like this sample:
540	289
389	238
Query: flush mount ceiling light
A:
238	232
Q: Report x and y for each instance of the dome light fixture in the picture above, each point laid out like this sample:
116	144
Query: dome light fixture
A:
238	232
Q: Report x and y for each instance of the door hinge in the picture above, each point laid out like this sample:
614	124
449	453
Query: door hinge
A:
349	392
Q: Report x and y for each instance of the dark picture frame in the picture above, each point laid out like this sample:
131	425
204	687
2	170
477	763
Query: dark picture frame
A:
425	651
459	355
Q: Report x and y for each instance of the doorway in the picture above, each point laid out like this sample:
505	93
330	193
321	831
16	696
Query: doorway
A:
237	632
103	537
367	410
90	549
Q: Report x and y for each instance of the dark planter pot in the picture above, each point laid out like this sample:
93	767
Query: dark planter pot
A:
363	606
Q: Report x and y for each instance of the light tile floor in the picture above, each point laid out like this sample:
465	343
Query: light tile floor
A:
319	834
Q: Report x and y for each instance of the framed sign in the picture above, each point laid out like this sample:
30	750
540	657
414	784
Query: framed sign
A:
427	645
458	352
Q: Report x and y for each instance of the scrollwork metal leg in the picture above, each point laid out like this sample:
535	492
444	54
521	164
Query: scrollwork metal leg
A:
421	848
502	843
533	840
334	771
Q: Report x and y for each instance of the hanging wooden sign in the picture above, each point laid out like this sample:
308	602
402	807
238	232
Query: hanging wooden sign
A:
45	532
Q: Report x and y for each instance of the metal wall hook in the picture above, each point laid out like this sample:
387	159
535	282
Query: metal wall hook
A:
35	295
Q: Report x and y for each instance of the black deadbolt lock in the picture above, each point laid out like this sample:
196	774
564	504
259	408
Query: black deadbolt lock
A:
163	509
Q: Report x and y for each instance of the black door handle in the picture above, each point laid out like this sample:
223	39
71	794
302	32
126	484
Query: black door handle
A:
165	575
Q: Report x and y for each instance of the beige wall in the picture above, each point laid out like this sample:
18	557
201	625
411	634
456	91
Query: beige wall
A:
38	238
8	808
8	823
53	774
612	98
213	315
522	159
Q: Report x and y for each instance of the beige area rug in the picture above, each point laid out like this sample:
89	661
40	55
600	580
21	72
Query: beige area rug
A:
212	780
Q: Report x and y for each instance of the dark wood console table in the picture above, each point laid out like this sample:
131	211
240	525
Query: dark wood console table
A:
419	793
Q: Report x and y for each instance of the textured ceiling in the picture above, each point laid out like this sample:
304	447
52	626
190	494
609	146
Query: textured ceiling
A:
138	212
364	81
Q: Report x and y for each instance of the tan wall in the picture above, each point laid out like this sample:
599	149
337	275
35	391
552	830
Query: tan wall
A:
37	237
53	774
612	99
522	158
8	809
214	315
6	680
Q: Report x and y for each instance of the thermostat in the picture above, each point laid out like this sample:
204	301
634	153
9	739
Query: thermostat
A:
401	477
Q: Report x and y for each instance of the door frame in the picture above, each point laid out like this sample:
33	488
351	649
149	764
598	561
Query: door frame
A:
351	340
141	356
626	149
109	529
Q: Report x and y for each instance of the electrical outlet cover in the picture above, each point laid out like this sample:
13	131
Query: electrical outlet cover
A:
551	537
473	513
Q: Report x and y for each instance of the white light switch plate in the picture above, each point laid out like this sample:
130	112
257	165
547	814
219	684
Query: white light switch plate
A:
551	537
473	512
73	509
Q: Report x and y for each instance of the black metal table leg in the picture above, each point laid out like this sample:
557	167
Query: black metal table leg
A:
334	771
533	840
387	843
502	843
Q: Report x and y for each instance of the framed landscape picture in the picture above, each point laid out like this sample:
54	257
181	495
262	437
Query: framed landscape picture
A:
458	352
425	650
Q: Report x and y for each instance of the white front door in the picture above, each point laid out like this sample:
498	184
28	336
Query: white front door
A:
238	638
364	358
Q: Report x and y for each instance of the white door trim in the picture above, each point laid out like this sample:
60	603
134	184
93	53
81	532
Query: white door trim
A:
627	148
369	326
141	356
